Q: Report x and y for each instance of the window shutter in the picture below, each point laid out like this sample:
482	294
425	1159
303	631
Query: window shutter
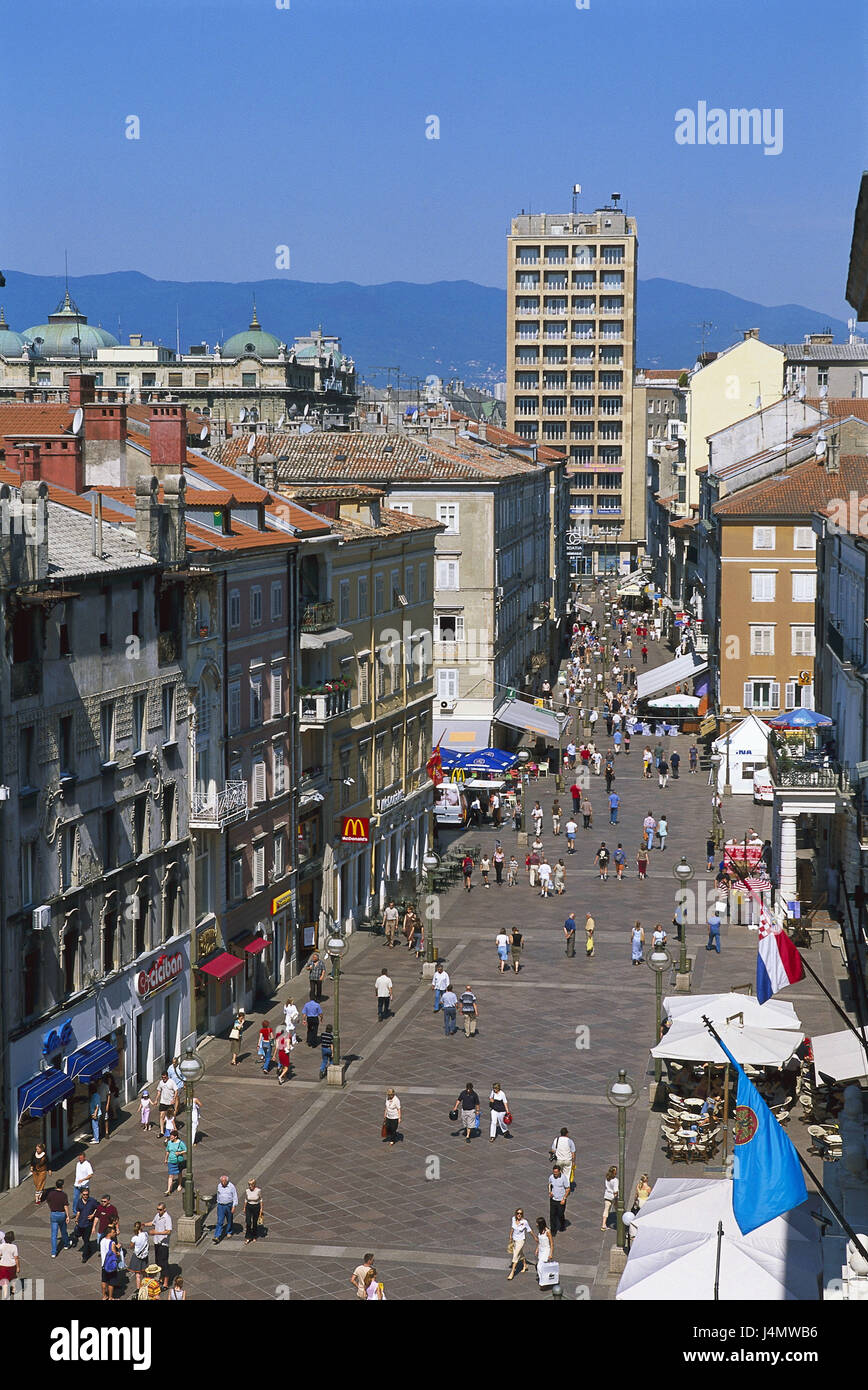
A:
807	697
775	695
790	695
259	866
276	693
748	694
259	782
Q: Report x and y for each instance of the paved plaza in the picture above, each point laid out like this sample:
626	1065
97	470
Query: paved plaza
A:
435	1210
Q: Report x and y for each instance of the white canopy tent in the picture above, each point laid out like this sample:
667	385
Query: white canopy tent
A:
748	743
758	1047
674	1251
689	1008
839	1055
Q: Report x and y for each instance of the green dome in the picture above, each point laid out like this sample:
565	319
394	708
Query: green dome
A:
11	343
67	334
253	342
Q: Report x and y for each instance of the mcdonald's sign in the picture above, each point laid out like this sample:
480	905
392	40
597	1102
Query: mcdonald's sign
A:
458	774
355	829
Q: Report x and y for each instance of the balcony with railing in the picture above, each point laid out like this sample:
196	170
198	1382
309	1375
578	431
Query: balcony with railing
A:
844	648
213	810
583	334
316	617
320	706
791	772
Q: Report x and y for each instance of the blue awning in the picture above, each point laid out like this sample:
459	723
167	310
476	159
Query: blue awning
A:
43	1091
91	1061
487	760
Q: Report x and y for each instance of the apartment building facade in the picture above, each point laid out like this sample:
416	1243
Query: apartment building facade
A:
820	366
571	330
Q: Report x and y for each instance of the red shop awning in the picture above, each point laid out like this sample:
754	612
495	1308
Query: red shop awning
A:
222	966
254	947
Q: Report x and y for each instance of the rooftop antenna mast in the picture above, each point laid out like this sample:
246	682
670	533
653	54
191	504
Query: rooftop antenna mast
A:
178	330
577	189
705	328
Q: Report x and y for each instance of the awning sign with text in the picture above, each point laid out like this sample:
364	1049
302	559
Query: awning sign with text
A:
281	901
355	829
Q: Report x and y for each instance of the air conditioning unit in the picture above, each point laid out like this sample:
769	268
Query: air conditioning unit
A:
448	704
41	917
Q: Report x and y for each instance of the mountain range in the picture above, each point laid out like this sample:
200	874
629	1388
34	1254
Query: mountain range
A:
452	328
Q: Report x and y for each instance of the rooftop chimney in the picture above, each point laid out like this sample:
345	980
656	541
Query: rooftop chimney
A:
28	465
833	452
135	340
820	338
81	390
168	437
750	333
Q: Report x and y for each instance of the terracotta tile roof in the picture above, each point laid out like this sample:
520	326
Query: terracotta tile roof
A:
19	418
842	406
799	491
195	497
683	523
506	439
374	458
322	492
662	373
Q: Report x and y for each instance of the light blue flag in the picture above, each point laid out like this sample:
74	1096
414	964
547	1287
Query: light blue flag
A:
767	1179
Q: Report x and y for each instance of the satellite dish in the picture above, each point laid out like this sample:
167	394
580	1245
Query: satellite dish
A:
824	391
281	421
802	392
306	429
307	409
242	415
293	409
204	432
77	421
251	444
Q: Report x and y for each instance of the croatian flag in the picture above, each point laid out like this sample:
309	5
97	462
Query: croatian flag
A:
778	962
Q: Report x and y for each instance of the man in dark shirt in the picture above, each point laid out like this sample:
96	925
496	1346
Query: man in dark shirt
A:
58	1205
84	1223
105	1214
570	934
467	1105
312	1013
327	1044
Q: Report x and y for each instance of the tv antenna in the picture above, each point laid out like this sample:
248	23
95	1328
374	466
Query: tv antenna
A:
705	327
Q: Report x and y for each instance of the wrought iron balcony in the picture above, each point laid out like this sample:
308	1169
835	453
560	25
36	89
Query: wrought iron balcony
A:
318	616
214	810
794	772
316	709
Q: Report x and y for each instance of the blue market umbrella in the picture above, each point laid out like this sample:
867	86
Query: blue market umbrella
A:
487	760
801	719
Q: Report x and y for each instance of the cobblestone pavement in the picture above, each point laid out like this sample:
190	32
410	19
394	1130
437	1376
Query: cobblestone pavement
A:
434	1210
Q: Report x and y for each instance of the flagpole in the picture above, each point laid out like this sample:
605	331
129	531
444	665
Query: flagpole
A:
836	1212
814	976
717	1261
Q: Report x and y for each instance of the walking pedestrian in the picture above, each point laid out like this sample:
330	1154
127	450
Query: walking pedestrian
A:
642	860
327	1049
619	859
610	1194
589	935
105	1215
649	825
84	1223
383	986
374	1291
139	1257
285	1044
713	943
94	1110
39	1171
234	1039
658	936
516	943
390	923
536	816
519	1230
176	1157
647	758
545	877
512	871
485	870
544	1247
502	944
58	1205
663	773
692	757
556	817
110	1263
10	1262
467	871
570	934
570	829
145	1112
312	1013
675	762
177	1293
499	1106
290	1016
644	654
439	984
467	1106
266	1045
391	1117
469	1012
315	970
449	1005
662	831
637	943
167	1092
658	753
498	859
357	1278
83	1175
226	1202
643	1192
254	1210
563	1152
617	738
150	1287
614	803
559	1191
587	812
576	794
161	1226
559	878
601	859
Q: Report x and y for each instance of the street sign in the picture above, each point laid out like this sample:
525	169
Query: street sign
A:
805	678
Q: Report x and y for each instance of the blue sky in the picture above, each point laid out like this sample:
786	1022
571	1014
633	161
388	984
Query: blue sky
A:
305	127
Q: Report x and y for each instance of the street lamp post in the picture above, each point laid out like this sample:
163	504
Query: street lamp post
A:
659	960
622	1094
683	872
192	1068
430	862
336	946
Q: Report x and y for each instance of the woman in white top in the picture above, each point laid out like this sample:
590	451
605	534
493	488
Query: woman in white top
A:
499	1109
373	1288
502	943
139	1259
610	1193
391	1116
519	1232
544	1243
195	1111
564	1151
177	1293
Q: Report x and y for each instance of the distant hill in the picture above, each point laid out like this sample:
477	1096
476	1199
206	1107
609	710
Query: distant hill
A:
453	328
